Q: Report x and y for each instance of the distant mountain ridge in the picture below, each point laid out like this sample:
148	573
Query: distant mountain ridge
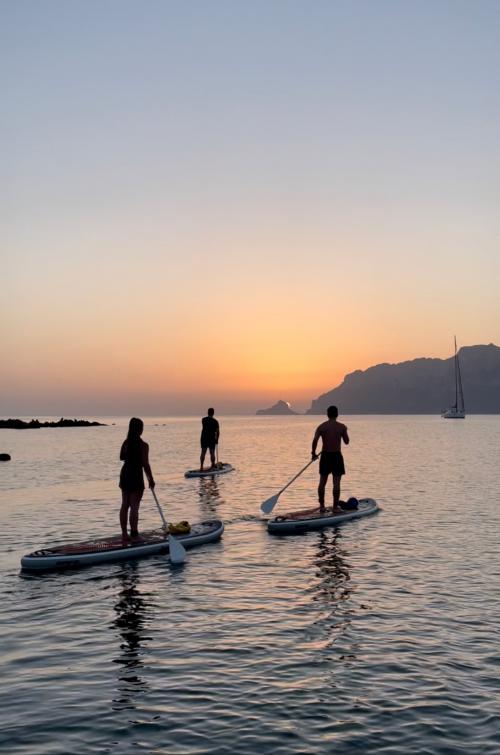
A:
419	386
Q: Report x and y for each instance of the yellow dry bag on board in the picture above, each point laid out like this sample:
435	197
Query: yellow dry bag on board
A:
181	528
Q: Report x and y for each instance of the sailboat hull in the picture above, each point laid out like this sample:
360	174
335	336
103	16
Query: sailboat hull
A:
453	414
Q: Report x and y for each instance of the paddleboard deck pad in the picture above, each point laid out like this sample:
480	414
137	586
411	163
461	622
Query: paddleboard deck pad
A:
220	469
151	542
311	519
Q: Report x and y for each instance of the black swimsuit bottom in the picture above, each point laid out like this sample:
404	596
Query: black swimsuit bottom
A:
331	462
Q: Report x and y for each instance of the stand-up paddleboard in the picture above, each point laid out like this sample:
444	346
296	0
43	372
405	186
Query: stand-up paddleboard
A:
219	469
310	519
75	555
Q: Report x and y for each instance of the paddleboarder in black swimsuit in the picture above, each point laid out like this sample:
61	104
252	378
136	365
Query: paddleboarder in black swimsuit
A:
332	433
209	437
135	455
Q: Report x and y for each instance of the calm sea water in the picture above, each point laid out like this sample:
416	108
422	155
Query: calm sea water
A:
377	637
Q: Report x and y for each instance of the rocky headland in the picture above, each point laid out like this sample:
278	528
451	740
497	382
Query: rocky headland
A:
419	386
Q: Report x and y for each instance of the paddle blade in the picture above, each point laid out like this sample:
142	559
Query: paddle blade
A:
269	505
176	550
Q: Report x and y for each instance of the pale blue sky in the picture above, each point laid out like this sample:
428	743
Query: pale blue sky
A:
159	154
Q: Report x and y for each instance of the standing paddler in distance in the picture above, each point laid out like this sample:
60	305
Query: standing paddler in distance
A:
332	433
135	455
210	432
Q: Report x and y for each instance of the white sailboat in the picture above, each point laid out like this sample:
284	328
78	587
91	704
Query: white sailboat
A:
457	411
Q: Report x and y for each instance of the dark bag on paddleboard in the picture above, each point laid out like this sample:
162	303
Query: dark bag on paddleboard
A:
350	505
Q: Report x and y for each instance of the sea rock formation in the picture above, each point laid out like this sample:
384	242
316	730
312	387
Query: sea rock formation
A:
280	407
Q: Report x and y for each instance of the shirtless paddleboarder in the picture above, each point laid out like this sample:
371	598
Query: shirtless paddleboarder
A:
332	433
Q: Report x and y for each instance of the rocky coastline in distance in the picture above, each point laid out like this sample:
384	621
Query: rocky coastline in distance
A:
34	424
280	408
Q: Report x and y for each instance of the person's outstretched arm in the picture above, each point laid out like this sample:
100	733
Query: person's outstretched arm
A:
145	464
345	436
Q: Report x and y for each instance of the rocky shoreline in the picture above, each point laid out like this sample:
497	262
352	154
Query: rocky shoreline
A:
34	424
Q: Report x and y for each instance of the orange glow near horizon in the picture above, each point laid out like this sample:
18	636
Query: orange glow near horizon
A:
264	330
281	345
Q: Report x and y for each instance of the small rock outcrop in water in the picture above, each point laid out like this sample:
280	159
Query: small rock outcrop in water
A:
4	457
280	407
19	424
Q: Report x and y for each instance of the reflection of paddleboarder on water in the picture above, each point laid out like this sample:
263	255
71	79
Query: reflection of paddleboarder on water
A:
209	495
333	569
210	432
332	433
332	591
131	619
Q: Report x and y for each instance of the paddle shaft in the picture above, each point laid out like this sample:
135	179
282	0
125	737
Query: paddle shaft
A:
165	525
297	475
177	552
269	505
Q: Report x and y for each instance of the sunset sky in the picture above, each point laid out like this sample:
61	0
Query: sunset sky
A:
231	202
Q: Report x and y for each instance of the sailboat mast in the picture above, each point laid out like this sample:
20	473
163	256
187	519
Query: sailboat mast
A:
460	389
457	411
456	374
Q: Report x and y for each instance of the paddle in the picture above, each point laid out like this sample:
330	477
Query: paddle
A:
218	464
177	552
269	505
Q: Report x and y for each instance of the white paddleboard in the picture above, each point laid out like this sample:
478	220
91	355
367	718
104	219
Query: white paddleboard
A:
76	555
219	469
296	522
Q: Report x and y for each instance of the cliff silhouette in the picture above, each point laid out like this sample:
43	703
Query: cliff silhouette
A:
419	386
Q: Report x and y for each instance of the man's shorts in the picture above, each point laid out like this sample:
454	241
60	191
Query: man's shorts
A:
207	443
331	462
